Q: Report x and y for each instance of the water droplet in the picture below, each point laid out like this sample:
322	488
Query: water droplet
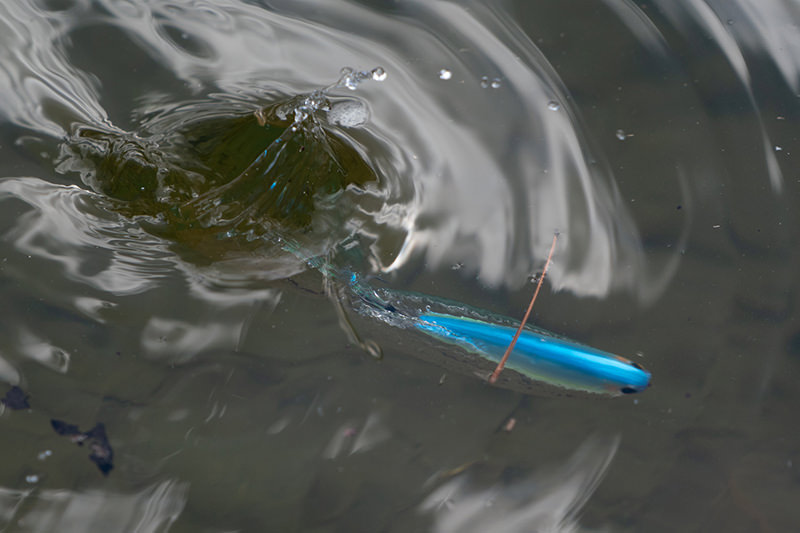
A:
445	74
379	74
484	82
495	83
553	105
621	135
348	114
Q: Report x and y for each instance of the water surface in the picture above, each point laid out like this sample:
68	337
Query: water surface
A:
656	137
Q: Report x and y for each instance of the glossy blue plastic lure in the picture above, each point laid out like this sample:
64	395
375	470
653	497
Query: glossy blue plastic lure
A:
540	357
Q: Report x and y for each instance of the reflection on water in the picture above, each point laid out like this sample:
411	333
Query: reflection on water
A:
152	509
657	137
545	502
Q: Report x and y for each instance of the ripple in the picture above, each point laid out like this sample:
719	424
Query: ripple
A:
545	501
477	177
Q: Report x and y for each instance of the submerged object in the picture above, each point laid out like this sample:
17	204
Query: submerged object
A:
540	356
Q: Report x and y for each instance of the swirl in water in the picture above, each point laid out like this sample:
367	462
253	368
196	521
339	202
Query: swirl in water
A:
478	173
479	176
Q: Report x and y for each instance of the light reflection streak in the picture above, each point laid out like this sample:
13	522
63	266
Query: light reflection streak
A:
150	510
351	439
685	15
545	501
35	72
115	267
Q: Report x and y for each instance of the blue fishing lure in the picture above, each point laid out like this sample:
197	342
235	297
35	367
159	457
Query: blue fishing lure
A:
539	356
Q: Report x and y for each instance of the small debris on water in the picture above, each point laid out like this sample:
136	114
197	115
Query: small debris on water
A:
44	455
778	148
621	135
33	478
509	425
445	74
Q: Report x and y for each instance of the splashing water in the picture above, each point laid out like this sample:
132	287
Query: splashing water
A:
204	172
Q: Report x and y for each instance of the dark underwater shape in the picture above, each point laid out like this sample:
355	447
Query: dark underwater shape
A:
16	399
96	440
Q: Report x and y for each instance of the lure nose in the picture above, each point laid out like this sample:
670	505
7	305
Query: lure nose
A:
633	389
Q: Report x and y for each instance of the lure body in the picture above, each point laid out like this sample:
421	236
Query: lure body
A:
540	357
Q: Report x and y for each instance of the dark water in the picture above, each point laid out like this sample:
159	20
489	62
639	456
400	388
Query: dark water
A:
656	137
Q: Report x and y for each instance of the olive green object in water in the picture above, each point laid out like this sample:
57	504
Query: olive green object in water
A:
199	171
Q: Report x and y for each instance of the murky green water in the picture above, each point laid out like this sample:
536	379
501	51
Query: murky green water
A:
656	137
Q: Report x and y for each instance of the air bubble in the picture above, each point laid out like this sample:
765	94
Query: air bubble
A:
484	82
553	105
445	74
495	83
44	455
621	135
379	74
